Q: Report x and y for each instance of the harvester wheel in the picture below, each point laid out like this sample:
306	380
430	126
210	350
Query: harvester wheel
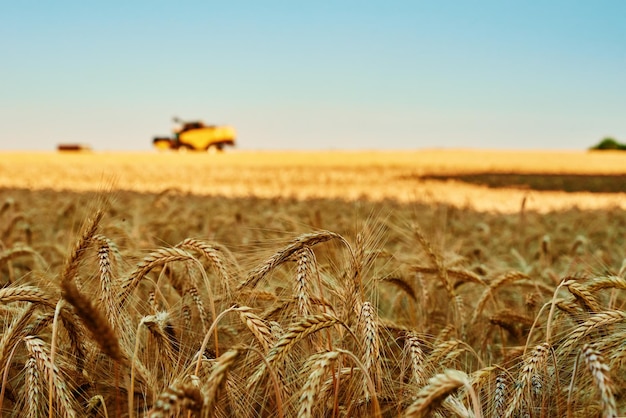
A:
212	148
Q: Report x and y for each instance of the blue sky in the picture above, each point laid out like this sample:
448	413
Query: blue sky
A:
314	75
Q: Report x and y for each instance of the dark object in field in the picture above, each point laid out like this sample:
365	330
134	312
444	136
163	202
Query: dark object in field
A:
608	144
73	147
594	183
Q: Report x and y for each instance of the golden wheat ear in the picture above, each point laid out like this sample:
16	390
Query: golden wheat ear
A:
435	392
600	372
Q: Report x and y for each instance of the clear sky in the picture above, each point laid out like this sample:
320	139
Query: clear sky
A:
314	75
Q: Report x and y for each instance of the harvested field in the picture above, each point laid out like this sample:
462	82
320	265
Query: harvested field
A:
244	284
441	177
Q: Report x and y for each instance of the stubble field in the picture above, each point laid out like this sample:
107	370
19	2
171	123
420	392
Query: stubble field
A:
312	284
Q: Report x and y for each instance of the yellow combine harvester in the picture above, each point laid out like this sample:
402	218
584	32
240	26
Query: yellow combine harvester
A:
196	136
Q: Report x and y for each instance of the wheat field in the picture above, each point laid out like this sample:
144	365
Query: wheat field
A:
258	285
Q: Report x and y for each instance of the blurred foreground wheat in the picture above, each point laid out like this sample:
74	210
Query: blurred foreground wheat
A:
179	305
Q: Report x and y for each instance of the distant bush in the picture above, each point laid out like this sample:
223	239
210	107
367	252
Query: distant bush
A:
609	144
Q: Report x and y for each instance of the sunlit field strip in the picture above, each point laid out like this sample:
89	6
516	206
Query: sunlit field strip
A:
304	175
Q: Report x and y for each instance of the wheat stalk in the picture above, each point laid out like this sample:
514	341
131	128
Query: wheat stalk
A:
218	377
281	256
257	327
34	388
38	351
108	285
493	286
184	396
311	388
600	372
436	259
437	389
156	258
212	253
305	258
534	361
412	348
500	395
371	344
97	324
463	275
302	329
18	251
595	321
25	293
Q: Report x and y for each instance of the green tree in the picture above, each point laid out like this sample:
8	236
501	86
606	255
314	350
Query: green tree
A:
609	143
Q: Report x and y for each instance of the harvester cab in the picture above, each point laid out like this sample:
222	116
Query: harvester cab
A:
196	136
